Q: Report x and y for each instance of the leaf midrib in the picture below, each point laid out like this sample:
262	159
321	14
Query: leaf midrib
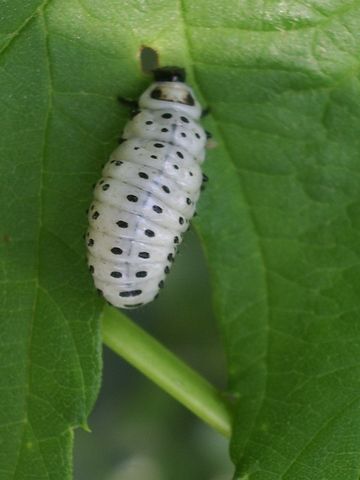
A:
261	255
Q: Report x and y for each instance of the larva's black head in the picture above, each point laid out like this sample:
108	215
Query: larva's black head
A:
170	91
169	74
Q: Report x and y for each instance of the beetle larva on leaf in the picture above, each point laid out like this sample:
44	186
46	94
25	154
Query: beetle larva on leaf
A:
147	194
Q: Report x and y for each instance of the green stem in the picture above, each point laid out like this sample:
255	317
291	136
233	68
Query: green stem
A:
165	369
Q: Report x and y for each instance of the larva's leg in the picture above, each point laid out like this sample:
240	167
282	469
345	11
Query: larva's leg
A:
205	111
132	105
205	179
129	103
210	143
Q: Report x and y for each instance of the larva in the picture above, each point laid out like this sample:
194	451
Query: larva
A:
147	194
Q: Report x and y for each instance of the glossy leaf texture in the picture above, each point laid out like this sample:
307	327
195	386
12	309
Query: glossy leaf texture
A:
278	220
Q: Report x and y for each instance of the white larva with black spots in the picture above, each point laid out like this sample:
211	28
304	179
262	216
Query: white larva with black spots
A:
147	194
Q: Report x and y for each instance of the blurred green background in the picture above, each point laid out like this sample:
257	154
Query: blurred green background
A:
140	432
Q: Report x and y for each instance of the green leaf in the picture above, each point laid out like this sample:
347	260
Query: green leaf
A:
279	219
49	330
280	227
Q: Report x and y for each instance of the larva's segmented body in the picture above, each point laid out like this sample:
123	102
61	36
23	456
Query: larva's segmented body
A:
147	194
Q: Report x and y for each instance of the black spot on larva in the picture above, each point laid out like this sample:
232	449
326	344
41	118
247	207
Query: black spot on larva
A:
112	161
188	201
183	134
181	220
184	119
116	251
90	242
136	148
166	189
191	174
130	293
122	224
92	207
91	269
164	130
161	284
132	198
149	233
159	145
166	115
156	296
157	209
141	274
95	215
205	178
116	274
179	154
101	182
170	257
176	239
106	186
149	122
143	175
144	254
176	167
100	292
197	135
153	156
118	163
121	140
166	270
